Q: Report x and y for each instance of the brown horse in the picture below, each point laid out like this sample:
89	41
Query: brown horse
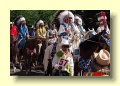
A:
13	51
30	52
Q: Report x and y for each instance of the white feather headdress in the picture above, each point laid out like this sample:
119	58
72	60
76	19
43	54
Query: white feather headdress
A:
20	19
80	20
39	22
63	14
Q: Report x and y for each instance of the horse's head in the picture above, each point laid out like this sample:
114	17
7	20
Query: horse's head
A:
92	33
91	45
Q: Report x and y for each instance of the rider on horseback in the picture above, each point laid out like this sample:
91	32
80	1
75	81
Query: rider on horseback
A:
102	20
52	34
78	22
13	41
67	25
22	36
41	35
22	33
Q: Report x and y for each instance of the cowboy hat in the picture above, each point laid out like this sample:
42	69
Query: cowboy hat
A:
100	60
64	42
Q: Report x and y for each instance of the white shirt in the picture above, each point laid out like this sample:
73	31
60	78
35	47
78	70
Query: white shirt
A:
70	61
50	31
72	28
101	28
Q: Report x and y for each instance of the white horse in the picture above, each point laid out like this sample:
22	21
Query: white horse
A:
89	34
77	40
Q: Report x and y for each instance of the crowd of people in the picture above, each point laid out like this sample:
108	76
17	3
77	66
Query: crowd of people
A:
58	49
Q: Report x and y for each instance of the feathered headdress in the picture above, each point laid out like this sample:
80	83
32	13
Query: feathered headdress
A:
64	14
38	22
18	19
78	18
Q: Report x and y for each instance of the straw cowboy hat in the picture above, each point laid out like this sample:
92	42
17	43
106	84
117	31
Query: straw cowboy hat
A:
64	42
100	60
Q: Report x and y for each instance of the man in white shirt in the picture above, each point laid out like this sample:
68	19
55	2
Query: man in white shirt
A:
78	22
103	26
67	25
52	34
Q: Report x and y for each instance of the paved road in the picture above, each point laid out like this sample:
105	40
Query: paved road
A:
36	71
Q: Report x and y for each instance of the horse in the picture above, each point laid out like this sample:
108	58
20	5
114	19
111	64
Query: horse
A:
13	51
89	46
89	34
31	52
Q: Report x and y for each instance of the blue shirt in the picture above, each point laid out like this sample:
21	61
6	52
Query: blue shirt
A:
23	30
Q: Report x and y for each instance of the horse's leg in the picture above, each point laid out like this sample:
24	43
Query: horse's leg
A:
76	69
49	69
41	55
38	52
16	53
81	72
43	51
12	53
26	63
14	68
33	57
29	63
20	58
16	58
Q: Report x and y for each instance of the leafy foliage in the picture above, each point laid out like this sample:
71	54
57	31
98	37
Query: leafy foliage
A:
32	16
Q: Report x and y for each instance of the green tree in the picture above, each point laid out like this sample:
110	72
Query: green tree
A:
33	15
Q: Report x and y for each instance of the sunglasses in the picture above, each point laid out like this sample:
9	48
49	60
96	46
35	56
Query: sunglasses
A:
65	46
70	17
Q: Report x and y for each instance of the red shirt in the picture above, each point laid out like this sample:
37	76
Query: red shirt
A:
13	31
94	74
